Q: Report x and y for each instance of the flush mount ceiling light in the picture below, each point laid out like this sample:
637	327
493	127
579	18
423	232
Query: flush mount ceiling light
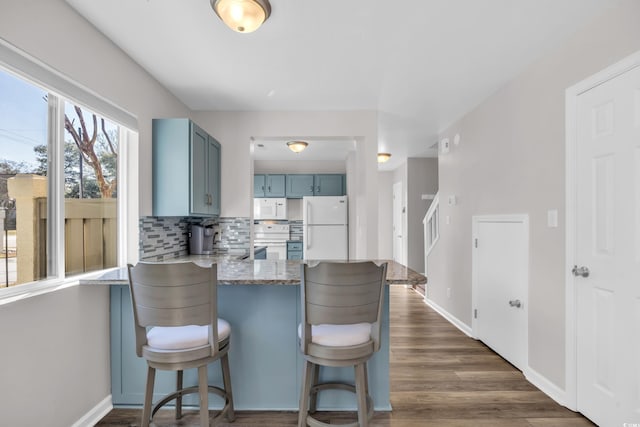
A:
243	16
383	157
297	146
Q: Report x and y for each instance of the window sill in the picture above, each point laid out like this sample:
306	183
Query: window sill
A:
41	287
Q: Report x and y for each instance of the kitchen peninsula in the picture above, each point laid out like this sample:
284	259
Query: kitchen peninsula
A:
261	301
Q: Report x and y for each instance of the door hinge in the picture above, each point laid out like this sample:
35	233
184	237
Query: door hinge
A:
475	242
475	313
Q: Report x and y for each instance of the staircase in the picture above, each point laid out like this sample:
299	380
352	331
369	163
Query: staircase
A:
431	223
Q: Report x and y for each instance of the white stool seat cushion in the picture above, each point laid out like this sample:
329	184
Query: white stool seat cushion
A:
339	335
184	337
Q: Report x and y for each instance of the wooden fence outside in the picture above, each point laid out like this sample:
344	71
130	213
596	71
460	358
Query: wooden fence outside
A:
90	234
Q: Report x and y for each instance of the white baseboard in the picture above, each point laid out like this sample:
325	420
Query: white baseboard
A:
96	413
451	318
546	386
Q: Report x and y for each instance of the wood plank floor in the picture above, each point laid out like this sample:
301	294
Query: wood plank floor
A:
439	377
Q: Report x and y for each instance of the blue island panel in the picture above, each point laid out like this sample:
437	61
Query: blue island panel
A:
266	364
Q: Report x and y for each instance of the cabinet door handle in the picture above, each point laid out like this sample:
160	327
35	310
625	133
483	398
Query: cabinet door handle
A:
312	188
318	189
269	189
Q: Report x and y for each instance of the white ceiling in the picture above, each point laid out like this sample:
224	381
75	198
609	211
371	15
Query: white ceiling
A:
326	149
421	64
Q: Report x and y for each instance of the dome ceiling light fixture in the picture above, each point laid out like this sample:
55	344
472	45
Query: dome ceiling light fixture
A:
383	157
243	16
297	146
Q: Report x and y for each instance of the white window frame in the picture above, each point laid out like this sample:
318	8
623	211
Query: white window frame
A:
61	89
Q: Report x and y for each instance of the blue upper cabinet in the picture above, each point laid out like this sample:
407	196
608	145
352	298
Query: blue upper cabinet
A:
275	186
299	186
214	157
186	169
329	185
269	185
258	186
296	186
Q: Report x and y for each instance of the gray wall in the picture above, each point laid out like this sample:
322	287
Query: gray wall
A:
422	178
55	349
299	166
235	131
55	357
418	176
511	160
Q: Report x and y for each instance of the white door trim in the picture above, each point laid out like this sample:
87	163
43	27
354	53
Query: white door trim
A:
475	221
398	220
571	102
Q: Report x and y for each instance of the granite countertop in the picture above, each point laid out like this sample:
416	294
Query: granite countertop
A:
232	271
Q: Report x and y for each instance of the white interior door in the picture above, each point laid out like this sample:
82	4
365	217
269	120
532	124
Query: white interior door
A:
398	236
607	243
500	285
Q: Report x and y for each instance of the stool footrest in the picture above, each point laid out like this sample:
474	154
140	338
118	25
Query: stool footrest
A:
312	422
193	390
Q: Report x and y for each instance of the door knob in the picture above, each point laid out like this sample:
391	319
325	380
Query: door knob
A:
580	271
515	303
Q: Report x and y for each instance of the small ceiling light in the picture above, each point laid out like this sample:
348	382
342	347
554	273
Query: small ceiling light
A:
297	146
243	16
383	157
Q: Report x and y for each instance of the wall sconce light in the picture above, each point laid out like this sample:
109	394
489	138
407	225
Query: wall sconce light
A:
383	157
297	146
243	16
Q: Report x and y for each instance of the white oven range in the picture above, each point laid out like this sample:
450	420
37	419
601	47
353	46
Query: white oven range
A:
274	237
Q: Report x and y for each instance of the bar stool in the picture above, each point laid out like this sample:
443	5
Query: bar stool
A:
341	321
177	327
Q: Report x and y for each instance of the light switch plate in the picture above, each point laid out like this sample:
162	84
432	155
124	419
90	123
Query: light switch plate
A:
445	146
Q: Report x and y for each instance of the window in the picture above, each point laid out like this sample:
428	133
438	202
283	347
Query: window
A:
59	182
23	163
90	190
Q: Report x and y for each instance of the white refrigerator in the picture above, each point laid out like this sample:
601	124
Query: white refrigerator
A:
325	228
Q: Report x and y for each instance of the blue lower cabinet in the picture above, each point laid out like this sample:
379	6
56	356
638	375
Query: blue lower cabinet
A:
294	249
294	255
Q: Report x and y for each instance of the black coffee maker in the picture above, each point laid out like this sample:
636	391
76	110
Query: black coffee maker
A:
201	240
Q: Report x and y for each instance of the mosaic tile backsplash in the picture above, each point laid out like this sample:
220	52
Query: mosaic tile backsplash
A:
235	235
164	238
295	229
